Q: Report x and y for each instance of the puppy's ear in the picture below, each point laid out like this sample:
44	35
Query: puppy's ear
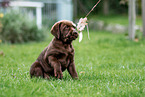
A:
55	30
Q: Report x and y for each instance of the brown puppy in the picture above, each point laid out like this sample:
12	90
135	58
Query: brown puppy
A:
59	54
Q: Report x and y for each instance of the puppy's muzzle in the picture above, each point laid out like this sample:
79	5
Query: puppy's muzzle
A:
75	34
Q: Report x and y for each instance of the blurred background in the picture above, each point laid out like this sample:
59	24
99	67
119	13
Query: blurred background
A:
109	15
110	64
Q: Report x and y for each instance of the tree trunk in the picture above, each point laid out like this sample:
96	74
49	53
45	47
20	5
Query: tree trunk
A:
132	18
143	16
106	7
75	8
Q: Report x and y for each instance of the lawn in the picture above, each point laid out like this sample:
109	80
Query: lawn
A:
107	65
116	19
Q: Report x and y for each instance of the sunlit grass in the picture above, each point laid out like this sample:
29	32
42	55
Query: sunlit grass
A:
116	19
107	65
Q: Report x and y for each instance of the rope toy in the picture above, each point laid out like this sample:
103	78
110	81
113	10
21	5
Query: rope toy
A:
83	22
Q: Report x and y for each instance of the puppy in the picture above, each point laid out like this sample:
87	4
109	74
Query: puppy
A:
59	54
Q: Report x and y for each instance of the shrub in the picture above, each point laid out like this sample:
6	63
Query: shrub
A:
17	28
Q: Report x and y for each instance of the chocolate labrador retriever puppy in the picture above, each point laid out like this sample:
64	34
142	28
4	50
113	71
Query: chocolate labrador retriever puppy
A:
59	54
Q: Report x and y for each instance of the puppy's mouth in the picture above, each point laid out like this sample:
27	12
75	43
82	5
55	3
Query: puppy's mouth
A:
71	37
74	36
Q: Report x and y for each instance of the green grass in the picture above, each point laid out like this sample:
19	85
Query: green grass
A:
116	19
107	65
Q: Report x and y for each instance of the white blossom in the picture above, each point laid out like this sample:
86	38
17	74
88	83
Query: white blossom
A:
80	36
80	27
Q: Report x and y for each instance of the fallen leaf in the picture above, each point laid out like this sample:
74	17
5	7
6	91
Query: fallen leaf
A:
136	40
1	53
82	72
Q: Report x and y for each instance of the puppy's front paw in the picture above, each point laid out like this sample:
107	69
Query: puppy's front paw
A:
75	78
58	74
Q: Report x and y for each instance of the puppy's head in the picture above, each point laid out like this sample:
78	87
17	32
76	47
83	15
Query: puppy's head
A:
65	31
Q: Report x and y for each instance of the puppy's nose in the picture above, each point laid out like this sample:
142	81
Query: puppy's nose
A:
75	32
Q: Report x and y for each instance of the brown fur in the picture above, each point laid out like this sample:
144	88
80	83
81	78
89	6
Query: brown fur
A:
59	54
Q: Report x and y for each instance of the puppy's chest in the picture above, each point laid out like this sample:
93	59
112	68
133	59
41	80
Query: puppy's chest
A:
66	57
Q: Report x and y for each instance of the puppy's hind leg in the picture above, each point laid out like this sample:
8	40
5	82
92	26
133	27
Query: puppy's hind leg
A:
46	76
36	70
